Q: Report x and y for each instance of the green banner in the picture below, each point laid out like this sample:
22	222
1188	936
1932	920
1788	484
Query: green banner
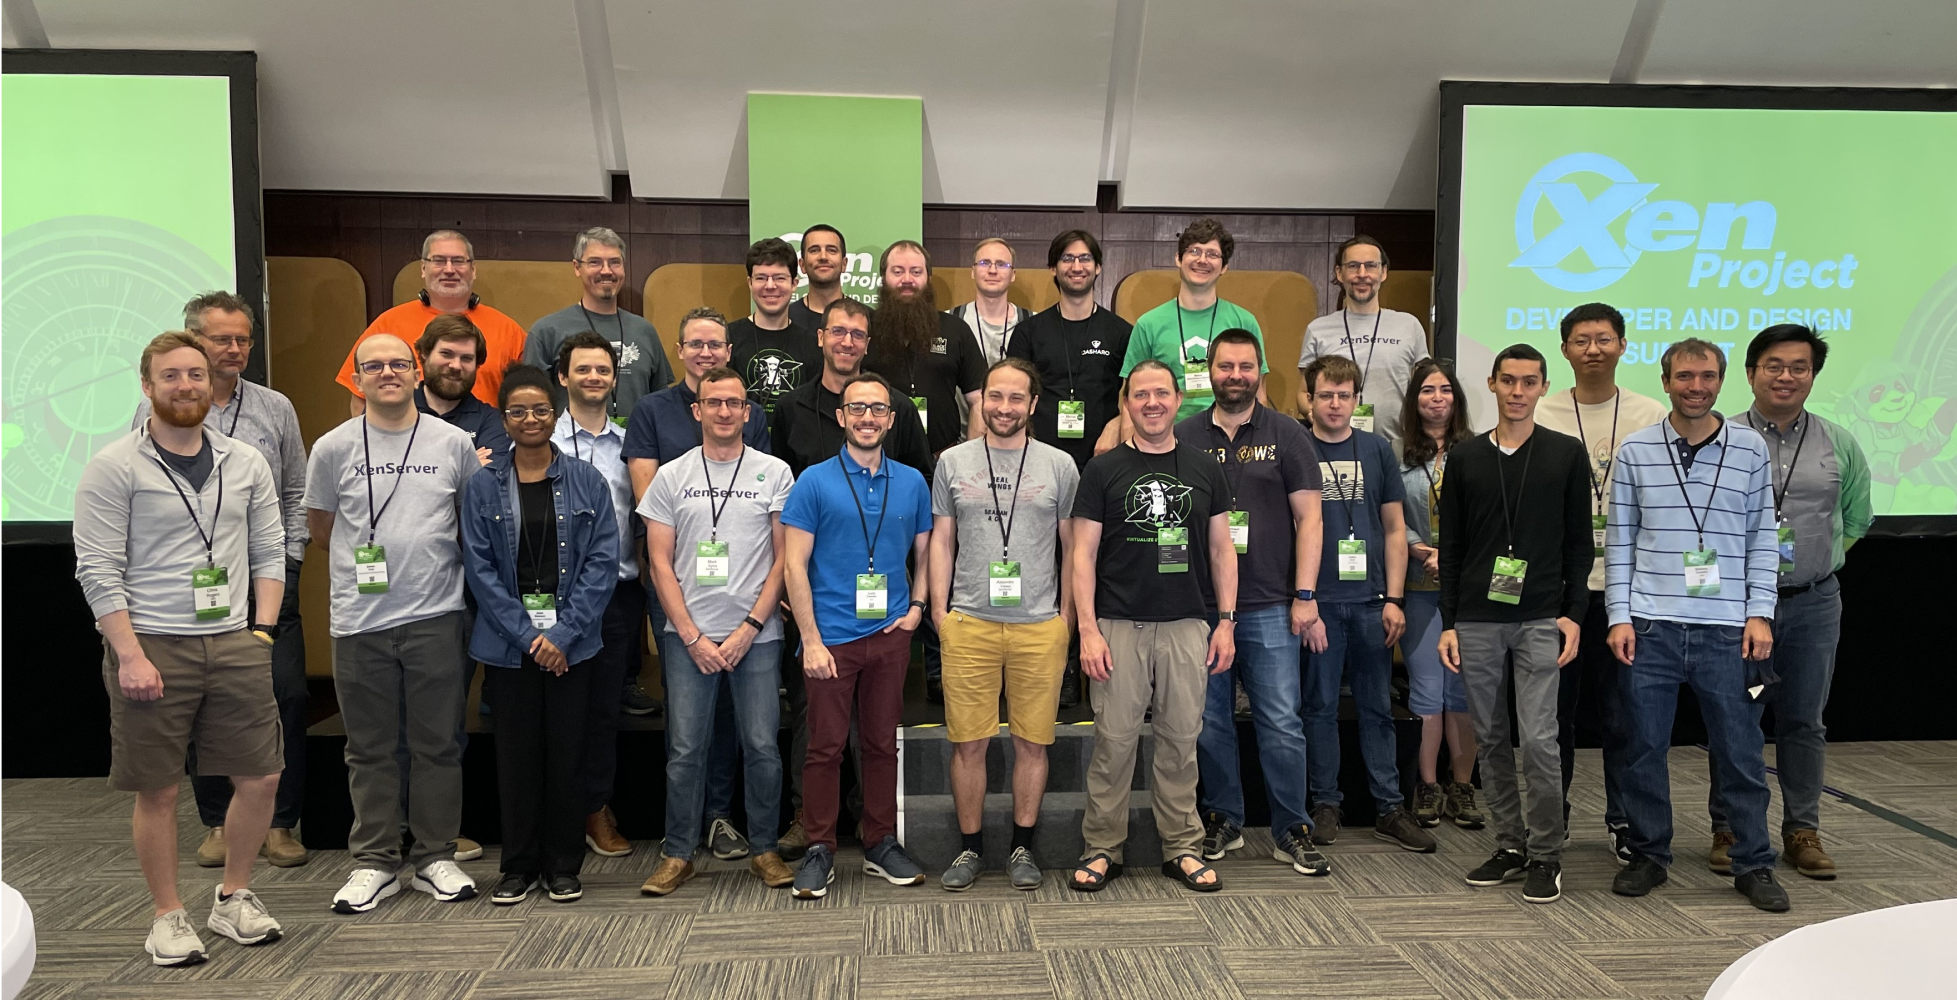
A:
856	163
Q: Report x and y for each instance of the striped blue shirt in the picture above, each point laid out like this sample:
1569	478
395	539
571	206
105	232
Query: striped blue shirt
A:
1652	527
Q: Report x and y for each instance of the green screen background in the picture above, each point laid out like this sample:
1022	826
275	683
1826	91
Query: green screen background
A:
1876	185
117	210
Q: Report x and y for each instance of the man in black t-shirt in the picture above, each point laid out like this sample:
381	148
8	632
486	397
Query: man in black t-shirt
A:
929	356
773	353
805	428
825	256
1151	521
1077	348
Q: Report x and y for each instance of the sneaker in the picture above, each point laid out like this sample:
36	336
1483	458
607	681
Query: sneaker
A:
1022	871
1620	842
364	890
242	917
1399	827
1294	848
725	841
1802	848
1070	688
1760	889
934	689
1545	882
889	861
565	888
1639	877
794	841
1325	824
1427	805
1720	859
1504	865
637	702
172	941
210	853
817	871
1459	806
602	836
771	870
445	881
466	849
1220	836
283	849
671	874
964	871
512	888
1242	705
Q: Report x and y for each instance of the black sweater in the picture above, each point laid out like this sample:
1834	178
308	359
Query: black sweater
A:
1551	514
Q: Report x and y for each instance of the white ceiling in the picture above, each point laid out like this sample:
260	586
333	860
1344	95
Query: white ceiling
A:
1254	104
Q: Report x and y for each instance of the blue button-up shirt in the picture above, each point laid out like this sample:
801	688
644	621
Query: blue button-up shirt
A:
605	452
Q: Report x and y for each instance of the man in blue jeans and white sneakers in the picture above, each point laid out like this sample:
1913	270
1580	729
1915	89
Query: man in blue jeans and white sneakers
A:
1689	584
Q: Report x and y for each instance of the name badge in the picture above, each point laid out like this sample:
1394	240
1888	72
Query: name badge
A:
710	564
210	591
1004	580
1352	559
542	609
923	412
370	569
1073	418
1362	417
1434	529
1505	584
1196	378
872	595
1240	530
1172	550
1702	573
1598	522
1784	537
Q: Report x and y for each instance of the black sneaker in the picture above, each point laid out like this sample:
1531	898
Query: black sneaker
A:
1502	866
1294	848
1620	842
636	701
1399	827
934	689
565	888
1545	882
1325	824
511	889
1220	836
1639	877
1760	889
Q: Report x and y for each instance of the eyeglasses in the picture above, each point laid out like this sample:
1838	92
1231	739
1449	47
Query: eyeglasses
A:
873	409
613	263
697	346
846	332
1602	341
993	265
1362	267
772	279
229	341
397	366
1076	258
540	411
1775	369
1202	253
441	262
724	403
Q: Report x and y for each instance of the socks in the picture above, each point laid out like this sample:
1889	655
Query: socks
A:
974	842
1022	836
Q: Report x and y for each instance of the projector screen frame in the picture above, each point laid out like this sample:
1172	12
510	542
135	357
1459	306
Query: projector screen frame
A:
240	70
1458	95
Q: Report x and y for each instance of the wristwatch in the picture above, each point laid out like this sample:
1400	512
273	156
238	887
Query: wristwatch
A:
1226	616
270	632
1306	595
919	604
751	623
1398	602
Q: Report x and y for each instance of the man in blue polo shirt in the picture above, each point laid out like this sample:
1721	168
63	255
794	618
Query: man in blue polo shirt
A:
851	521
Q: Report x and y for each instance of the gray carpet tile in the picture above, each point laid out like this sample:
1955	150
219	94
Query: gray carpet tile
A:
273	962
1062	926
731	937
1488	913
1342	972
1269	921
366	948
947	928
584	984
607	942
1171	973
452	985
810	978
998	976
1507	970
1681	965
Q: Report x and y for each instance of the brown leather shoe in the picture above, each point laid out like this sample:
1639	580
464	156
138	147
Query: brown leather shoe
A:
670	875
771	870
1803	850
283	849
601	835
1721	858
210	853
794	843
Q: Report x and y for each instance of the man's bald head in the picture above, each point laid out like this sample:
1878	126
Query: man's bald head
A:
383	347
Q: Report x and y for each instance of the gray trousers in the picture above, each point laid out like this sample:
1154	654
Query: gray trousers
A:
1159	666
1486	649
405	672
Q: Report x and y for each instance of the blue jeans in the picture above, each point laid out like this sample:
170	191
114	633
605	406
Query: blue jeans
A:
1355	646
1431	688
691	700
1267	660
1707	657
725	759
1807	627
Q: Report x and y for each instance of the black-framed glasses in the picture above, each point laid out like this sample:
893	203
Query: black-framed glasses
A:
870	409
613	263
724	403
397	366
1775	369
704	345
450	261
541	411
843	331
1203	253
1077	258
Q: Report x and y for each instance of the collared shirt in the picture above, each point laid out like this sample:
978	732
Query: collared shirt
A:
662	427
805	433
1271	458
604	451
264	418
1822	484
473	417
844	506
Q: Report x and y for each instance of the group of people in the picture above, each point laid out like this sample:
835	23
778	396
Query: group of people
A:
1029	499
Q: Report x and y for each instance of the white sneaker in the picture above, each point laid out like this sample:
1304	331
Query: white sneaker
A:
364	890
172	941
242	918
445	881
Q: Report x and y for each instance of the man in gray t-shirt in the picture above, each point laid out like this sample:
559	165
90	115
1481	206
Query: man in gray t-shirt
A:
598	259
1001	506
1383	342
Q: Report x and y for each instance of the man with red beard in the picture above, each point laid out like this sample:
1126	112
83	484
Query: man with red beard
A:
180	665
927	355
452	351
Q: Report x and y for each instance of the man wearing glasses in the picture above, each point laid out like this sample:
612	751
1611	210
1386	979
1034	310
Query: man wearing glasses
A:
448	278
598	259
451	348
1077	347
990	316
774	353
804	427
1384	343
1177	332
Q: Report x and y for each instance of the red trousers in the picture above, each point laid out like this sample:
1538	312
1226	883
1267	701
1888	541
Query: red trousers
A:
870	680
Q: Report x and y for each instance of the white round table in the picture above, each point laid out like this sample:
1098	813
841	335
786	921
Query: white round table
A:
1901	953
16	942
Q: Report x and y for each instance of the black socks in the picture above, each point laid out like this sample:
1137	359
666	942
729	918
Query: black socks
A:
1022	836
974	842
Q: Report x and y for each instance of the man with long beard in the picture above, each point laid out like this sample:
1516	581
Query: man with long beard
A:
452	350
927	355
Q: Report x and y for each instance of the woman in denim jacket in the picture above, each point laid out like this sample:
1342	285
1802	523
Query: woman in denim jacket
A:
540	548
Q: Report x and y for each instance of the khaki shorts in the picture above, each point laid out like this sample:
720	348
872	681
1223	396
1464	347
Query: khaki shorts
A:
217	691
979	656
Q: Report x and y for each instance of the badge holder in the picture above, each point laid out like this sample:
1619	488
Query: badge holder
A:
1073	418
1196	378
1352	559
1505	584
1172	550
1598	524
1784	540
872	595
1362	417
370	568
210	589
1004	580
1702	573
542	609
710	564
923	411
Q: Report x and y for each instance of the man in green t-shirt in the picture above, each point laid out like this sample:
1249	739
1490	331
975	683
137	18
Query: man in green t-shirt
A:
1178	332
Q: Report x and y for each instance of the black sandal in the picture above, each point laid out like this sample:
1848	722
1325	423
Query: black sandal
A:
1100	879
1173	869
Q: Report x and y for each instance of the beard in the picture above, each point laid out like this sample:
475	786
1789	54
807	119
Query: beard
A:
902	328
1236	397
179	411
451	387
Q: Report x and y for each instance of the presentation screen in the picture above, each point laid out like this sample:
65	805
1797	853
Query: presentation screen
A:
129	191
1715	213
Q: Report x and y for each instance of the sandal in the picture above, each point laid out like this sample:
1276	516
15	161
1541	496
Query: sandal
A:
1100	880
1173	869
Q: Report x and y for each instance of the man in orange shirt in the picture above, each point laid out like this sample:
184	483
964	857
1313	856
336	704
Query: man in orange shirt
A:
448	278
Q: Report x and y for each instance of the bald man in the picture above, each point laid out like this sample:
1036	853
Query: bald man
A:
381	490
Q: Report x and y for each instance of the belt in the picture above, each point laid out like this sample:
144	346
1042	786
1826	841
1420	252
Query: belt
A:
1787	592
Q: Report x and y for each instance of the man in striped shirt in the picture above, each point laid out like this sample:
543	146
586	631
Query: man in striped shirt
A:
1689	585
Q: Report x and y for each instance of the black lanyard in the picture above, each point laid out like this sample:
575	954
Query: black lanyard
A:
1175	460
238	401
1351	524
869	541
715	512
1227	481
1067	350
366	451
210	540
1354	351
618	321
1780	489
992	480
1712	497
1597	485
1182	345
1529	452
1436	464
